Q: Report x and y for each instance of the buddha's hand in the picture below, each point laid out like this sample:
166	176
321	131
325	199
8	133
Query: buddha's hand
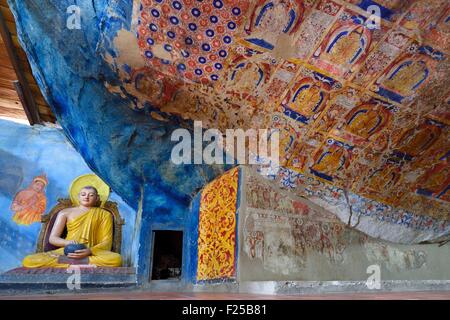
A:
71	242
17	207
80	254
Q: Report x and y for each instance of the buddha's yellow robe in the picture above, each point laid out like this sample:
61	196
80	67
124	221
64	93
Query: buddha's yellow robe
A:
94	229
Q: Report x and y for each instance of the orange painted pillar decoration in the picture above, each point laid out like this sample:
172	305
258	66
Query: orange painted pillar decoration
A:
217	228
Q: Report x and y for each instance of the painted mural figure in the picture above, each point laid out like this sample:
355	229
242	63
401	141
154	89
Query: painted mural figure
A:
346	49
270	19
438	180
330	162
382	180
346	46
310	97
86	224
308	101
434	181
407	77
256	244
330	118
364	122
247	77
418	139
29	204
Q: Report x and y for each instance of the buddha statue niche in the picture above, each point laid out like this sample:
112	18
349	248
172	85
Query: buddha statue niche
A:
87	224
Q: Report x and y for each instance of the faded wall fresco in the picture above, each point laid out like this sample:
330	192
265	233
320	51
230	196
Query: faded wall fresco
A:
38	156
376	219
286	237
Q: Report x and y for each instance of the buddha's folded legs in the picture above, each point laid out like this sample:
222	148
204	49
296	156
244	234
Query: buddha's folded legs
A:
44	259
102	258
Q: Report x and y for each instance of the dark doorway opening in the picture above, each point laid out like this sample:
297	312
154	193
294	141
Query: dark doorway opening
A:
167	254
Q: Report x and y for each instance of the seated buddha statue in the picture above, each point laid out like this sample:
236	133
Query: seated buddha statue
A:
86	224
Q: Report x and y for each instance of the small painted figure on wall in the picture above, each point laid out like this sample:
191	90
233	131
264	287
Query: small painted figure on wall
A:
30	203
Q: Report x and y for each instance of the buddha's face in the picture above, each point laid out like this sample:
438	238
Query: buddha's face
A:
88	197
38	186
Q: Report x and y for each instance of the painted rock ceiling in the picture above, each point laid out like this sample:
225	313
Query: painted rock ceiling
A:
360	109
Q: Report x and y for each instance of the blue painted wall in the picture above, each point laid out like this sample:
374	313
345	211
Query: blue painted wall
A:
26	152
192	242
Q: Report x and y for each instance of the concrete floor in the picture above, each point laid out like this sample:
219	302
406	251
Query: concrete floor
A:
139	295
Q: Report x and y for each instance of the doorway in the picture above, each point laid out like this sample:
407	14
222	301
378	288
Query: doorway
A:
167	255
